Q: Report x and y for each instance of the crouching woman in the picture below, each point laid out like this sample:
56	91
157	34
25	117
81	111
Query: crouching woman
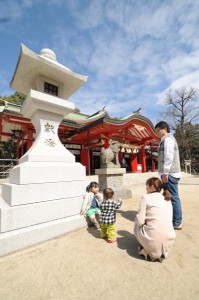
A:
153	223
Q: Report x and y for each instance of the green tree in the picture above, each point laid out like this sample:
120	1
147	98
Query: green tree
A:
16	98
188	141
8	149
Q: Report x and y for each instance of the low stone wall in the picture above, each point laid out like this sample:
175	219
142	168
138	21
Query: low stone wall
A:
129	178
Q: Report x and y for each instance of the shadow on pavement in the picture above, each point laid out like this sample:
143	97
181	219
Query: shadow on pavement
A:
128	242
125	241
95	232
130	214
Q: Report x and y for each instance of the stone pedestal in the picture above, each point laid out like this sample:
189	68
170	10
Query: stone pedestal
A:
44	196
113	178
110	177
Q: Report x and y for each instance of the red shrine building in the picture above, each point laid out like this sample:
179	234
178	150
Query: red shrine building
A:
84	136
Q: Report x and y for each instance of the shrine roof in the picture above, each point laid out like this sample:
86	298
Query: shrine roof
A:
134	129
85	119
9	107
14	119
73	117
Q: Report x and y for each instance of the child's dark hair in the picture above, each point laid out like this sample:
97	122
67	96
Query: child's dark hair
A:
108	193
91	185
158	185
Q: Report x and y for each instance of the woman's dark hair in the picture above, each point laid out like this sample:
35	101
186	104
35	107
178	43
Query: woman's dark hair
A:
166	194
108	193
91	185
158	185
162	125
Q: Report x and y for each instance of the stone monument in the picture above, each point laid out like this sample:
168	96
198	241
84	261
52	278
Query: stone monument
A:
111	174
44	195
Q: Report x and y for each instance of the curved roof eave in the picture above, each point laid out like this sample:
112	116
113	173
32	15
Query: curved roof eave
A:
135	127
127	119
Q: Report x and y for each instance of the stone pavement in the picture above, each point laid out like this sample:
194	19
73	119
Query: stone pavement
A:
80	265
136	178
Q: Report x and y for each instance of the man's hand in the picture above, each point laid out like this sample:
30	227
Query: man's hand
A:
164	178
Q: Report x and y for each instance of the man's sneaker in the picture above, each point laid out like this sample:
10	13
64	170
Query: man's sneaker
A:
177	227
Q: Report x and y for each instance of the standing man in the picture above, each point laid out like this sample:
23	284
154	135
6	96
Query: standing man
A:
169	168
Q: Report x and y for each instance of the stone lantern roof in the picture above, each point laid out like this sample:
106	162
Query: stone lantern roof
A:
31	69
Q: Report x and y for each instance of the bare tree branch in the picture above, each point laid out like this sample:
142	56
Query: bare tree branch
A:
182	109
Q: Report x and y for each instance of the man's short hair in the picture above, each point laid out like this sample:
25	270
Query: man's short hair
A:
162	125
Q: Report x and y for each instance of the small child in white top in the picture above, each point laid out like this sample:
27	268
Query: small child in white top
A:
92	199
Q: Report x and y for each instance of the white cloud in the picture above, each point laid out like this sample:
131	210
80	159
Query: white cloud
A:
87	15
181	64
12	9
132	51
188	80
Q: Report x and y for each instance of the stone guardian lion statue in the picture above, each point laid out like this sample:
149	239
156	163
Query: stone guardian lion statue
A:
109	154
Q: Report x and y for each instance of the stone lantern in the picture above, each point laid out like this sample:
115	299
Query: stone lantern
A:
44	195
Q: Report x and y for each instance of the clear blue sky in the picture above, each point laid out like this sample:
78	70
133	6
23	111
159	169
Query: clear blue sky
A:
132	51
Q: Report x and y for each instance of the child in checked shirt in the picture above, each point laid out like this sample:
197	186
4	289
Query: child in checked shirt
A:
108	215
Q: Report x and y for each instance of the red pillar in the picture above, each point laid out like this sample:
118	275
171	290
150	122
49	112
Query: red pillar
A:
143	159
134	162
84	159
27	138
30	139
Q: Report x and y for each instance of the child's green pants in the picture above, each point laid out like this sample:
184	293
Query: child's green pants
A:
108	230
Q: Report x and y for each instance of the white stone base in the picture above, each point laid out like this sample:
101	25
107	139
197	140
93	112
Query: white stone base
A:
16	217
22	238
39	172
19	194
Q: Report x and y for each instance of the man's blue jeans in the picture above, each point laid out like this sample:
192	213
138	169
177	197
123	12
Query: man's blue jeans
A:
172	186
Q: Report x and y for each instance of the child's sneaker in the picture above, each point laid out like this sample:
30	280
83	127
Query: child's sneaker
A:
112	241
96	225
